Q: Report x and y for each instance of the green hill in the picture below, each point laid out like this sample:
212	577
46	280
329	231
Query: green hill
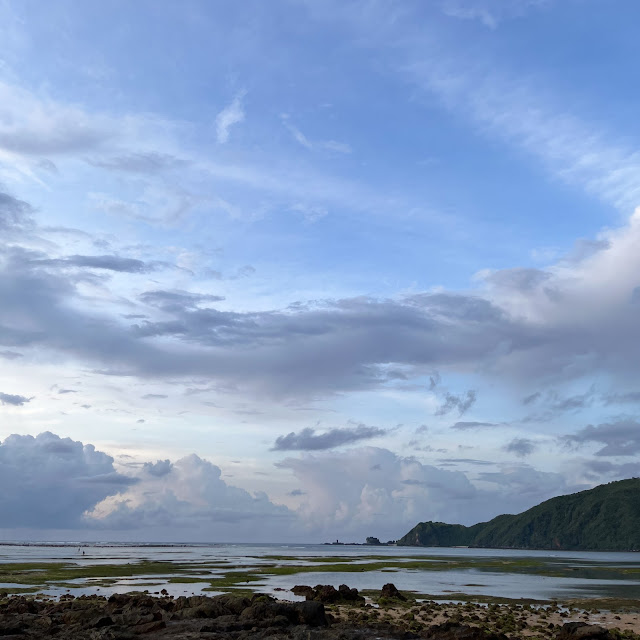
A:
605	518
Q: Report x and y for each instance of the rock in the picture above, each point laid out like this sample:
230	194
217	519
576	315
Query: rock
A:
582	630
328	594
457	631
149	627
310	613
101	621
389	591
304	590
274	613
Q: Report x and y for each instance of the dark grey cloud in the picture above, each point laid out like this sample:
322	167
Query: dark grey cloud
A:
54	481
308	440
153	396
596	468
629	397
149	162
521	279
296	492
532	486
463	426
15	400
176	301
318	349
452	461
521	447
158	469
462	403
531	398
15	215
620	438
107	262
10	355
551	404
572	403
65	391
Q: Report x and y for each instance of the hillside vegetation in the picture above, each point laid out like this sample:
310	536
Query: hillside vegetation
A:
600	519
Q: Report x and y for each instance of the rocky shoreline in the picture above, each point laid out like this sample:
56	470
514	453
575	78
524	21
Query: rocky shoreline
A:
326	614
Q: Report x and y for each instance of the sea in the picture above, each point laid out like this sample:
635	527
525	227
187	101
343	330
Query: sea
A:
538	575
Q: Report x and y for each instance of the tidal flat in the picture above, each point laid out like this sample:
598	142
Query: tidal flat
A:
605	580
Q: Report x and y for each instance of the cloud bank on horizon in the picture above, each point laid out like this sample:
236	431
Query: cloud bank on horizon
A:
324	272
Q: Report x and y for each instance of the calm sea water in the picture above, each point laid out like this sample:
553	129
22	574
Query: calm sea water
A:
583	574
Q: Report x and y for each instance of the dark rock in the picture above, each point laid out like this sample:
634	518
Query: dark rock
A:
457	631
582	630
328	594
149	627
101	621
389	591
304	590
310	613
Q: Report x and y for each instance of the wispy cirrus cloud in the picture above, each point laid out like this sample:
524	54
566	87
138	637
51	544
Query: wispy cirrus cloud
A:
231	115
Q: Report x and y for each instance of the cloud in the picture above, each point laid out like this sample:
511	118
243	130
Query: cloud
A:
521	447
301	139
231	115
454	461
307	440
188	499
159	468
621	438
298	136
369	491
109	263
464	426
461	403
577	320
489	12
597	468
176	300
532	484
338	147
15	215
34	126
10	355
14	400
630	397
503	105
149	162
54	480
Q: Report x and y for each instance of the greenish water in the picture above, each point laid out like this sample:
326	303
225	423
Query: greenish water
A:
437	572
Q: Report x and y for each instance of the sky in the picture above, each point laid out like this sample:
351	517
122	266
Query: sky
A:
306	270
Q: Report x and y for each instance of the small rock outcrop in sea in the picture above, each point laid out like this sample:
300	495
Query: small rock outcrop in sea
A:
328	594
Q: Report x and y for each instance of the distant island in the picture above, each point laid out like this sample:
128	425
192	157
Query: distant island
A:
370	541
605	518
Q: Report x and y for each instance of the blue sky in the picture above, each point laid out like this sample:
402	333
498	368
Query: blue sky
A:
329	267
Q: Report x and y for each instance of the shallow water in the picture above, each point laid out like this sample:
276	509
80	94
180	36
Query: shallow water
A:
573	574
